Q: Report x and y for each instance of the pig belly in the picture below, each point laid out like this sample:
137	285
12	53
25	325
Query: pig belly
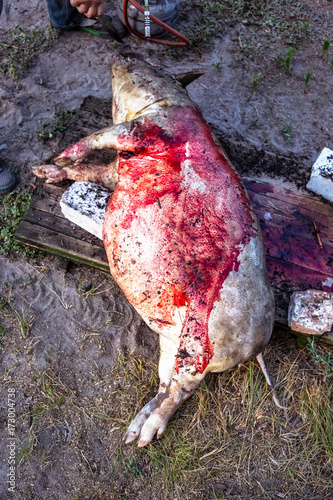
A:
140	262
145	264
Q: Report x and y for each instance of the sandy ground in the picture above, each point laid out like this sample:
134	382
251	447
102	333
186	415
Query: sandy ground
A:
79	337
78	66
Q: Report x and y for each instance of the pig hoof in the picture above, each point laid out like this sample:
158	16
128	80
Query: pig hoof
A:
74	154
155	425
51	173
142	443
129	437
63	161
135	427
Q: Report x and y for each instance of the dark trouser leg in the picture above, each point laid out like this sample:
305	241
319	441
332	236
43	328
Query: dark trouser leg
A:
62	14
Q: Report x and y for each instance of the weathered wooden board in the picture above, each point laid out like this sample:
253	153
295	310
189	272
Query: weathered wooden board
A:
297	258
45	227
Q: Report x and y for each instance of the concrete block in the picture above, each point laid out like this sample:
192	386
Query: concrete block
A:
311	312
321	180
84	203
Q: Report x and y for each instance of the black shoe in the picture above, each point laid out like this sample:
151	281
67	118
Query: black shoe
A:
7	181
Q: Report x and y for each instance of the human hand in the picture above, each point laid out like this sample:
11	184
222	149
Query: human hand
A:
90	8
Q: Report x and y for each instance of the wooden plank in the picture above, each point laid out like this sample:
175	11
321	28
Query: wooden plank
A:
44	227
47	198
297	250
288	276
304	229
287	222
266	193
296	221
65	246
61	225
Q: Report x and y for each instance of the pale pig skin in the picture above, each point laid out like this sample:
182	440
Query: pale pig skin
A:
180	234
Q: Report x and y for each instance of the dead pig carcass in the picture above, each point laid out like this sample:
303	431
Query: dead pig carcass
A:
181	237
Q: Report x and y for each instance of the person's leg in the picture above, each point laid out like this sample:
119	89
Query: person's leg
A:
62	14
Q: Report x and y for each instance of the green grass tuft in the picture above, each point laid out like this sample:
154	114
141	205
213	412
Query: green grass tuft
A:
2	334
289	57
288	133
322	359
20	47
12	208
326	47
133	468
59	122
308	77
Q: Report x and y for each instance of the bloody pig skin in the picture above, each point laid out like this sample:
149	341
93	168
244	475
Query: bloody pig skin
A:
200	219
181	237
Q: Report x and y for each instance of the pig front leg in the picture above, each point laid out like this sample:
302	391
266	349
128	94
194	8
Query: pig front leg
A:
174	389
115	137
104	175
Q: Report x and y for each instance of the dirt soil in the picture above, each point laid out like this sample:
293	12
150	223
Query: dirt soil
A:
75	356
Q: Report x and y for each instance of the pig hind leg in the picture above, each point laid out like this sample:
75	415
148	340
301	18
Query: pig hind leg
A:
167	360
174	389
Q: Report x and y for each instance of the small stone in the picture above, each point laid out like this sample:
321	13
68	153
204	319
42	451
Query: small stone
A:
311	312
321	180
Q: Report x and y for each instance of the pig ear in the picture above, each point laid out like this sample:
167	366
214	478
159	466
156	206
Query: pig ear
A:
187	78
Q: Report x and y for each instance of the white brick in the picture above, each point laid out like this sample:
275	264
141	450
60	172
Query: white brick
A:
84	203
321	180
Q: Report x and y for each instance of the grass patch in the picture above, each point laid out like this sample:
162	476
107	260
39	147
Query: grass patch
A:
308	77
20	316
59	122
288	58
285	20
317	406
137	379
133	468
19	48
26	450
50	394
24	321
320	357
288	133
2	334
255	82
175	456
326	48
12	209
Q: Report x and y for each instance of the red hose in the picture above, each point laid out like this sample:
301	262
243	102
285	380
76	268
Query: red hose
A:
184	43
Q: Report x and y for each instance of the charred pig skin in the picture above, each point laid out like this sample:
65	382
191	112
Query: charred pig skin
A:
181	237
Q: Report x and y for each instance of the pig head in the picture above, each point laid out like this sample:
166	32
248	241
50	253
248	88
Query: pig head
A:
180	234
